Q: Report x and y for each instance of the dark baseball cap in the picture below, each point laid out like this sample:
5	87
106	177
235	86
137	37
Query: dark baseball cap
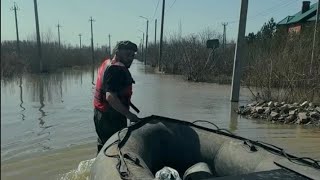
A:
126	45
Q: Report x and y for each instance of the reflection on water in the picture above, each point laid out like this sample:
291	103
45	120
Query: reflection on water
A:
41	99
81	78
60	86
233	116
92	77
21	100
51	86
42	116
33	107
53	113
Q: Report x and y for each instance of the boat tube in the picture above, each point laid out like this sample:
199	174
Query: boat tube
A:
142	149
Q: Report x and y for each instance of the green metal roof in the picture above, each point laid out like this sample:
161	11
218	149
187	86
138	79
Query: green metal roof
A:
299	16
285	20
313	18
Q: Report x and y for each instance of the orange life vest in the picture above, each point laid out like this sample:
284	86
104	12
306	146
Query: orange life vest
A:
100	101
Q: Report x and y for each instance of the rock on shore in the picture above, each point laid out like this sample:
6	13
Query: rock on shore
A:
280	112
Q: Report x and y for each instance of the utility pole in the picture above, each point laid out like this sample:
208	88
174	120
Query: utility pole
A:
146	49
38	35
155	32
146	52
224	39
239	52
15	8
143	45
161	35
314	37
180	29
141	42
110	46
92	50
80	39
58	26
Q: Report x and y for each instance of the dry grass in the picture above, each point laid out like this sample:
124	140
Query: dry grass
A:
53	57
190	57
277	68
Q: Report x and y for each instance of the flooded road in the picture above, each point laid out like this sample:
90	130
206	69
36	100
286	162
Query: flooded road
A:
47	128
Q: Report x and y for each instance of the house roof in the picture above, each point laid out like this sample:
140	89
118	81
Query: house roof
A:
285	20
313	18
300	16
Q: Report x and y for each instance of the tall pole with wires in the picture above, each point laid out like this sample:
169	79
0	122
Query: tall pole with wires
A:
58	26
92	48
143	50
142	45
80	39
224	39
15	9
145	55
110	46
180	29
161	35
155	31
239	52
146	49
38	35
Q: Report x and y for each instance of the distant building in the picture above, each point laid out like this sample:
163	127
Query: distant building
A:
300	20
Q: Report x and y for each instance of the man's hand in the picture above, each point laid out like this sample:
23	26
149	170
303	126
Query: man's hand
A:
132	117
114	101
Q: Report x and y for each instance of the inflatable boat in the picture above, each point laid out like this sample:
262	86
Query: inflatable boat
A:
196	150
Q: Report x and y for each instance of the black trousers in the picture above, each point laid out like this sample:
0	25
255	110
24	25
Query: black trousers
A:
106	124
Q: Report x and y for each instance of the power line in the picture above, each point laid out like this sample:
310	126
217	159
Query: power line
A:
279	7
267	11
171	6
275	6
154	14
275	12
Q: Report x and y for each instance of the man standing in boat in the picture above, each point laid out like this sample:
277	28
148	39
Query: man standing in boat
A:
113	93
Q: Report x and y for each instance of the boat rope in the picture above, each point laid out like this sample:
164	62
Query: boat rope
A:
121	166
313	163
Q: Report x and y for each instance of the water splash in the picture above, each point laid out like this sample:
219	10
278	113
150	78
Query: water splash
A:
81	173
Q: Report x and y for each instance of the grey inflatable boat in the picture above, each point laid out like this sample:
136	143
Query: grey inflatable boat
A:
142	149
